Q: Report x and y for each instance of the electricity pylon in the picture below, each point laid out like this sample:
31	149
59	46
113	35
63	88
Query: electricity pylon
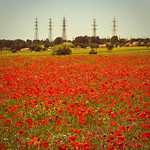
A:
64	34
36	37
114	30
50	30
94	27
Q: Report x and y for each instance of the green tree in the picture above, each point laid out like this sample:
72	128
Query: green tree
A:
58	40
81	39
114	40
28	42
51	44
46	45
147	45
96	46
92	45
36	41
109	46
117	44
61	49
83	45
1	47
95	40
139	43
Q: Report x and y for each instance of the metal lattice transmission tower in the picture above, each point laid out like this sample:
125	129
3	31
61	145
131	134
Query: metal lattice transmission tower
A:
64	34
36	37
50	37
114	30
94	27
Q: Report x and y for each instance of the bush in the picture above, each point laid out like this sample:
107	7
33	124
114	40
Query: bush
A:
92	52
61	49
32	47
44	49
38	48
16	47
72	46
35	48
93	45
14	51
78	46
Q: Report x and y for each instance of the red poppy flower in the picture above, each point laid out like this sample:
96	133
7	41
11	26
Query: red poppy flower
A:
45	144
21	132
72	138
59	122
111	148
99	122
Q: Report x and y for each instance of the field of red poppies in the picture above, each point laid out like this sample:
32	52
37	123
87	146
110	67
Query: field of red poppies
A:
75	103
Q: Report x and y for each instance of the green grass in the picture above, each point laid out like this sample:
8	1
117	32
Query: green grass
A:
116	50
26	54
100	51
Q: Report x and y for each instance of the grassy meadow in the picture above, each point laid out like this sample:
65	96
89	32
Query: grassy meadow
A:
80	51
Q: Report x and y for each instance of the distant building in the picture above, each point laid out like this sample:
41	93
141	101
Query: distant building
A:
88	47
128	44
134	44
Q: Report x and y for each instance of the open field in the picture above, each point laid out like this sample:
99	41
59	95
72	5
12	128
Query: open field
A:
75	103
100	51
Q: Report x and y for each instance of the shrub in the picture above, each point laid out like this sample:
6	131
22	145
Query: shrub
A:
14	51
61	49
16	47
35	48
93	45
92	52
38	48
72	46
32	47
44	49
78	46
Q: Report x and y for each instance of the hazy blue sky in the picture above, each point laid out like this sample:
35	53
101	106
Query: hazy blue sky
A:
17	17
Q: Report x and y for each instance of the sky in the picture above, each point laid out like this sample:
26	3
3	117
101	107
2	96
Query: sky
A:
17	18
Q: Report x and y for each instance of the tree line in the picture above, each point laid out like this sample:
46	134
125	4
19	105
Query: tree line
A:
80	42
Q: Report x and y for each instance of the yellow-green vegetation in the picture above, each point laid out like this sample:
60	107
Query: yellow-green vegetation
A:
81	51
26	54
